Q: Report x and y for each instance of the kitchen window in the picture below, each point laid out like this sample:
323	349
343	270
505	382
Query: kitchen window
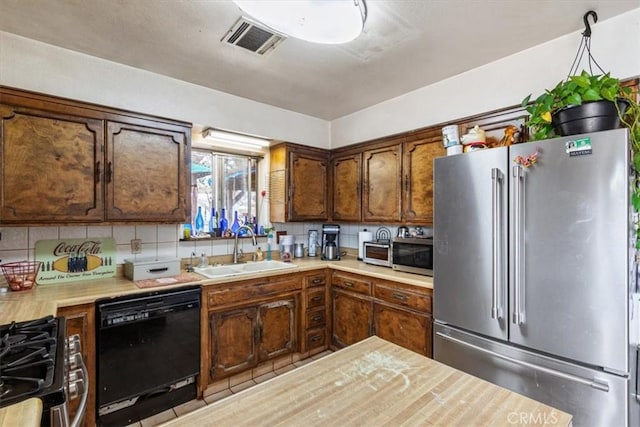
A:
222	181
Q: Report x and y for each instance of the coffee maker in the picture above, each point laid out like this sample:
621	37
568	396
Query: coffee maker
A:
330	242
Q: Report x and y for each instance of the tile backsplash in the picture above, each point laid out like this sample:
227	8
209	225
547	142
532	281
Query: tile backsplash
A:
159	240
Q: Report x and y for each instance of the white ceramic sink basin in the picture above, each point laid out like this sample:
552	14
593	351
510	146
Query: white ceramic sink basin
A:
214	272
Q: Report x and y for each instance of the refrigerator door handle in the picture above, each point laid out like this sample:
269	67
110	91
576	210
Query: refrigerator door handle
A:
497	179
518	314
595	383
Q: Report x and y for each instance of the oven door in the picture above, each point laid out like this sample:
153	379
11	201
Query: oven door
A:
413	255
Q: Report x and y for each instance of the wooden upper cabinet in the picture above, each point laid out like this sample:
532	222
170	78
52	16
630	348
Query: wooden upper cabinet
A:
346	185
65	161
298	183
51	167
381	197
145	173
417	171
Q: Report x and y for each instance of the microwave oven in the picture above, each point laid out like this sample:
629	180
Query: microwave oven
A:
413	255
377	253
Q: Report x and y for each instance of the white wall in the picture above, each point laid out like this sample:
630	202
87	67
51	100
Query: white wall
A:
615	45
32	65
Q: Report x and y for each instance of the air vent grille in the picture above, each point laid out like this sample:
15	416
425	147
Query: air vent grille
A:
252	36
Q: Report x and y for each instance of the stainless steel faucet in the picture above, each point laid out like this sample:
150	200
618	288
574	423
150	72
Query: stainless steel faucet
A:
235	245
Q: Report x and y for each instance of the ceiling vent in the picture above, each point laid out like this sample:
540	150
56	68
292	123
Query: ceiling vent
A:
252	36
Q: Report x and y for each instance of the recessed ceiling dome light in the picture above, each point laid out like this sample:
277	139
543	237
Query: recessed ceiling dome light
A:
317	21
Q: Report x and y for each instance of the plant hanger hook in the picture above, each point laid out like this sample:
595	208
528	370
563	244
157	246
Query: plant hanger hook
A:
587	27
585	45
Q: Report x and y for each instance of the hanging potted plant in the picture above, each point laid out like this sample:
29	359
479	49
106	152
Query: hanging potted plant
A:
582	103
585	103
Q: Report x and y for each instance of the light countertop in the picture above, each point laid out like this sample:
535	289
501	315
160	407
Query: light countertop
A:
45	300
373	383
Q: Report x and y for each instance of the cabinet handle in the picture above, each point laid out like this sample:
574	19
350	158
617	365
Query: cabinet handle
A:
316	338
97	177
317	318
398	295
317	280
348	284
316	298
108	172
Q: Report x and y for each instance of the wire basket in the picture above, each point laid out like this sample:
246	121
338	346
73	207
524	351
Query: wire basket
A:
21	275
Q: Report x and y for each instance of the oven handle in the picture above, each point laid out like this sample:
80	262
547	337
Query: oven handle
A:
82	407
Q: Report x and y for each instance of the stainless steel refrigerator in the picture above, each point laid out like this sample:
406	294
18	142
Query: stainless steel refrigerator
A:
535	276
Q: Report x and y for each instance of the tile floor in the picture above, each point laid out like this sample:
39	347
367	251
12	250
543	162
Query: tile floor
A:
230	386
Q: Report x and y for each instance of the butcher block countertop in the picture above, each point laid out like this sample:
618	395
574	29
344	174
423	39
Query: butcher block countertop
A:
375	383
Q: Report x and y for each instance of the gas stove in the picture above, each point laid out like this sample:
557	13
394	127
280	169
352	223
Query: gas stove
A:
37	361
29	362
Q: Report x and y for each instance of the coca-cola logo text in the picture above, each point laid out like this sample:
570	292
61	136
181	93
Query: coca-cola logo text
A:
90	247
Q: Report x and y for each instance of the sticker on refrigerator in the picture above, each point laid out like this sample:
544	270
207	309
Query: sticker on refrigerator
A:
578	147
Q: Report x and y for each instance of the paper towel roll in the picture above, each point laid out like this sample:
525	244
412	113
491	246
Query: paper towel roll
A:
363	236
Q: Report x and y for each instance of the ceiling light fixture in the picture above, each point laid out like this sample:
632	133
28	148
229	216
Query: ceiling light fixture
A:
235	140
317	21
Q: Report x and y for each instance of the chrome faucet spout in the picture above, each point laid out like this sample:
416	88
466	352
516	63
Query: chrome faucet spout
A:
235	244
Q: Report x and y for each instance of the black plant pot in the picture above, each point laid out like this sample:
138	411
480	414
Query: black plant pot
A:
594	116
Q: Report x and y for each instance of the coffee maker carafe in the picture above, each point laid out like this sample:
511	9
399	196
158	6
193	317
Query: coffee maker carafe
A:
330	242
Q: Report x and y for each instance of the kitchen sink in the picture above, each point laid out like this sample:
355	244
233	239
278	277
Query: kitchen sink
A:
217	271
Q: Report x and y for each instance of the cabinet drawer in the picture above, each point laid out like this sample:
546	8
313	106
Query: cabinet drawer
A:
316	298
352	283
316	318
403	298
316	280
316	338
241	293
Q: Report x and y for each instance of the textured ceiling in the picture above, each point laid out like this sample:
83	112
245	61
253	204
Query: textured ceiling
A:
406	44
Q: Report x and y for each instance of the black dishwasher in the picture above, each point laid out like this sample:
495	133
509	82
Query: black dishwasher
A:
148	354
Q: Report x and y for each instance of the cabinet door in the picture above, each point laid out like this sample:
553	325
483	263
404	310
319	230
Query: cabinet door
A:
405	328
382	186
80	320
308	187
351	318
146	173
233	342
417	167
51	167
277	329
347	201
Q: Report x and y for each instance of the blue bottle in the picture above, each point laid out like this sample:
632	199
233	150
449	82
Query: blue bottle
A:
199	222
224	224
236	223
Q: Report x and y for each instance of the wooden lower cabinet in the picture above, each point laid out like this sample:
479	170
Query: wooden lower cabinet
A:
363	306
352	315
403	327
249	322
276	329
315	330
80	320
233	343
241	338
